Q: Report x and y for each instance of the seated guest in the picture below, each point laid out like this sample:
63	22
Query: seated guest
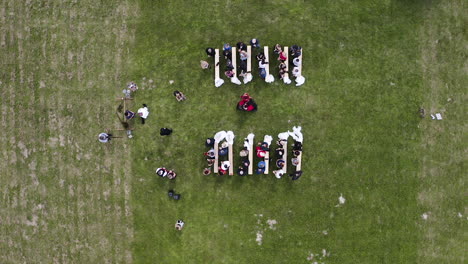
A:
295	72
279	152
225	165
280	163
296	62
260	170
171	175
281	74
245	163
210	161
264	146
296	153
244	152
278	49
278	173
229	65
255	43
221	171
243	55
162	172
282	56
241	171
210	154
210	142
262	73
261	164
227	47
223	149
241	46
297	146
206	171
210	52
282	66
262	64
260	153
295	161
242	66
229	73
296	51
227	54
260	56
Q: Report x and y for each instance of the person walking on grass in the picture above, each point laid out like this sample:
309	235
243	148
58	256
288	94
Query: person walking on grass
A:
143	113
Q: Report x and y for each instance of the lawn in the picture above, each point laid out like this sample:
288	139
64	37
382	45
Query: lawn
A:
369	67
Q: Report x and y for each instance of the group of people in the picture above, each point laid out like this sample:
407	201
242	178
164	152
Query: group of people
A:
163	172
210	157
142	112
261	150
227	54
296	52
247	103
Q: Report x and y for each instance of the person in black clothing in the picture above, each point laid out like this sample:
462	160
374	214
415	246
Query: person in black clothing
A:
210	52
296	175
165	131
209	142
260	56
227	54
296	51
241	46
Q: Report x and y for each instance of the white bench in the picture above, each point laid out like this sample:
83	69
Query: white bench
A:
234	78
268	78
299	160
251	160
248	76
285	155
215	165
218	80
286	79
299	78
231	160
267	161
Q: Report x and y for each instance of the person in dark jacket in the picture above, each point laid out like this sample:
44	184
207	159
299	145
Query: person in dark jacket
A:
210	52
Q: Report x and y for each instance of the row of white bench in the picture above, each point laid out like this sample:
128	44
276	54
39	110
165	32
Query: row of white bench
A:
251	158
269	78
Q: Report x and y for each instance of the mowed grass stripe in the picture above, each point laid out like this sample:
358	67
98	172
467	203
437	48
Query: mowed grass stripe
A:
71	204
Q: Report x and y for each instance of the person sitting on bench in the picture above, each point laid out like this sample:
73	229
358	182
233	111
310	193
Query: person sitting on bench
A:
243	55
282	56
210	142
229	73
280	163
278	49
278	173
260	56
210	154
296	51
227	54
227	47
241	171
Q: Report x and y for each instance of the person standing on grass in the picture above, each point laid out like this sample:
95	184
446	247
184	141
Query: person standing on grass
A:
104	137
179	225
143	113
179	96
204	65
165	131
210	52
255	43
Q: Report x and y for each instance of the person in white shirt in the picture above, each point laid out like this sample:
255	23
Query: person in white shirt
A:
143	113
179	225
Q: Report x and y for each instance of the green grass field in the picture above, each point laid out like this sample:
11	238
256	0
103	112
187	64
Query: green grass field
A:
369	67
